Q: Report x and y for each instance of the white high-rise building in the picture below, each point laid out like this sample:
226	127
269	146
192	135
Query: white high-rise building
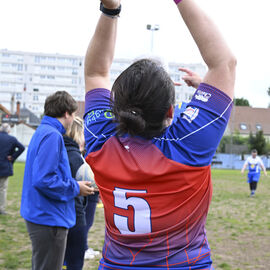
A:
29	78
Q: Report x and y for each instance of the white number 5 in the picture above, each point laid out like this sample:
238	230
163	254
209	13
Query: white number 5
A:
142	212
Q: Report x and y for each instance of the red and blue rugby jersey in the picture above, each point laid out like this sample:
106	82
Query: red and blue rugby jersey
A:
156	193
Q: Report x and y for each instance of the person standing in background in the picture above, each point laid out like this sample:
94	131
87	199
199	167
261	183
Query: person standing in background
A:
92	201
10	150
75	143
48	193
254	164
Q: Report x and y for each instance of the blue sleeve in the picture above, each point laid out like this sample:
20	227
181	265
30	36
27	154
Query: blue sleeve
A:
48	178
178	110
194	136
99	123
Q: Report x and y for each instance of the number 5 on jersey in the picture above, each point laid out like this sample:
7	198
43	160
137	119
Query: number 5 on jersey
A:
142	212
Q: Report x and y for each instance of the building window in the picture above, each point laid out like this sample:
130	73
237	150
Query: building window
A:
20	67
37	59
51	58
5	55
35	97
243	126
258	126
18	96
35	89
74	72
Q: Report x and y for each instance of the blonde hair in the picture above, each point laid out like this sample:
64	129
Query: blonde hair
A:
75	131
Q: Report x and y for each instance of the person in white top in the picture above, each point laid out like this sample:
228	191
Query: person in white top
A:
254	164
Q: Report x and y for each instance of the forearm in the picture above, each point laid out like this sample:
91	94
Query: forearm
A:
210	42
213	48
100	51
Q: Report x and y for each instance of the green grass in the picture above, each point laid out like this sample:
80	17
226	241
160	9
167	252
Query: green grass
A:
238	227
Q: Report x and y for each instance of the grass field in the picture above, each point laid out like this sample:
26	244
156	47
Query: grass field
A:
238	227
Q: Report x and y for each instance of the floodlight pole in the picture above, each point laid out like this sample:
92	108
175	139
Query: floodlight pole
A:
152	28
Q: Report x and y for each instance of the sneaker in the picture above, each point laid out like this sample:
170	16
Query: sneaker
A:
252	194
90	254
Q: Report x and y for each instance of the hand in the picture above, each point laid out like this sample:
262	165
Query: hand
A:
242	171
192	78
9	158
85	188
111	4
265	173
177	83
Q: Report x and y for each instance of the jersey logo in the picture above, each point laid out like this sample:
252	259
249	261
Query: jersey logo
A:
202	96
190	114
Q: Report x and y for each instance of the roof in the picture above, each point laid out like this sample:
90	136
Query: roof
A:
33	119
247	119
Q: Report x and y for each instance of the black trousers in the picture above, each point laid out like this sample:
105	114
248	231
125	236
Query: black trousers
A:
253	185
48	246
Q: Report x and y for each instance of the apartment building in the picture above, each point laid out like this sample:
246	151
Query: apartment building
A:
28	78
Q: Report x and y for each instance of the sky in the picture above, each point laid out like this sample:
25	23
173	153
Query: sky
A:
66	26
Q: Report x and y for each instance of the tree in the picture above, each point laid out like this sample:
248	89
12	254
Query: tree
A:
241	102
257	142
234	140
268	91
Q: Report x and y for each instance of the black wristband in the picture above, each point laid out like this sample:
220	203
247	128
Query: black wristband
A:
110	12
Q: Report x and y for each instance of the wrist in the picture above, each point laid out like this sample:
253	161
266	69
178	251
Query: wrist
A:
113	13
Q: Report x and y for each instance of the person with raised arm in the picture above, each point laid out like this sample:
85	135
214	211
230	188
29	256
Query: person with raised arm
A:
154	174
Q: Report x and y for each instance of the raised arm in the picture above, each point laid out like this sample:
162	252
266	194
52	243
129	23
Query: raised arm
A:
100	52
214	50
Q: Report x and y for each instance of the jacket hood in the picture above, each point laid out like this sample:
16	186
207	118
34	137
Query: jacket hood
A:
70	144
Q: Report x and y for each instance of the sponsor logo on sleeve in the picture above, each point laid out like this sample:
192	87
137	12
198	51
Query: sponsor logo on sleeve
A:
202	96
94	115
190	114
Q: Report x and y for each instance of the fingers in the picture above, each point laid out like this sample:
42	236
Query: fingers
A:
177	83
187	78
85	188
189	72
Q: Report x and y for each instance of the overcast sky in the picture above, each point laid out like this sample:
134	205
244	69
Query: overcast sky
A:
65	26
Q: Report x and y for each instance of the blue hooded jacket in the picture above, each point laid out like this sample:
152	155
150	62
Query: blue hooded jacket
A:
48	187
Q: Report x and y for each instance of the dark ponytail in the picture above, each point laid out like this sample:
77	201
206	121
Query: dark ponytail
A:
142	95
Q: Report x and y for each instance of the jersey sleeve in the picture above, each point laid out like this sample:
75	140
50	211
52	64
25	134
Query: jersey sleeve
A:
194	135
99	123
178	110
